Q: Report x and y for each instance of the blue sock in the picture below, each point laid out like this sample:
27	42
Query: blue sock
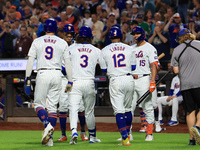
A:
52	118
92	132
63	121
81	116
156	111
121	123
128	118
42	114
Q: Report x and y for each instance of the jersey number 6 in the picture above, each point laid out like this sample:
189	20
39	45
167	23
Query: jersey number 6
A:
118	60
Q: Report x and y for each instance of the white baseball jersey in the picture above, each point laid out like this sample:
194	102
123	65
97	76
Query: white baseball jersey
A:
43	49
83	57
145	55
175	85
117	58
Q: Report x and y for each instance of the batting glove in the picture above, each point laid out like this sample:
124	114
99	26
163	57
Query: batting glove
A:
69	87
152	86
27	86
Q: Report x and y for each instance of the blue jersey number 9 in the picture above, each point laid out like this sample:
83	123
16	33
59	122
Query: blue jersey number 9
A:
118	60
49	51
85	61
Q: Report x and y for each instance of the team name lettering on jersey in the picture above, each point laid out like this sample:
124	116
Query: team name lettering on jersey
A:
176	86
139	55
85	50
117	48
50	41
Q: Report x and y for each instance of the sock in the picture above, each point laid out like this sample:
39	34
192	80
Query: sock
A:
156	111
143	118
52	118
63	121
81	116
42	114
121	123
92	132
128	118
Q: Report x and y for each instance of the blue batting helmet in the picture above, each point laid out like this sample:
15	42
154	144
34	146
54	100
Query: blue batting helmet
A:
68	28
115	32
85	31
139	30
50	25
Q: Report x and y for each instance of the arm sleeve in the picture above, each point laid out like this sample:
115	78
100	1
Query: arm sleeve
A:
178	94
171	92
68	68
29	66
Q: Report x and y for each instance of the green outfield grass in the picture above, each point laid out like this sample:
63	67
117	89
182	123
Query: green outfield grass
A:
31	140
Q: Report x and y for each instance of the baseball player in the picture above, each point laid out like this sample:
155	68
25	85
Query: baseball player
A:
49	50
84	58
69	34
118	60
145	73
174	99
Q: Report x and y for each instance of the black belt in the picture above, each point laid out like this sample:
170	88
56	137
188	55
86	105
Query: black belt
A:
49	69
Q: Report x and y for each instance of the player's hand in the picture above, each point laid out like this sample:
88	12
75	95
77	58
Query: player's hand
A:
69	87
27	86
152	86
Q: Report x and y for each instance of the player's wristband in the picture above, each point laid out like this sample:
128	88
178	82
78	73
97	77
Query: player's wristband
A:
70	82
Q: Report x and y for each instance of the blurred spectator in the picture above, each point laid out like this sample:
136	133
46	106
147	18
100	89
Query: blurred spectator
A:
148	18
183	9
150	6
62	6
138	2
99	11
111	21
129	37
23	3
157	17
173	30
105	4
54	14
81	5
28	12
93	6
38	12
168	15
124	17
197	7
64	21
55	3
73	19
162	5
48	7
23	43
31	32
97	29
7	36
194	28
87	21
103	17
15	2
128	8
34	20
143	24
40	31
6	8
135	11
13	10
161	41
121	4
124	30
113	8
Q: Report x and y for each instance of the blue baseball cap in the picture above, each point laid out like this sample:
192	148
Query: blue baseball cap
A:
183	31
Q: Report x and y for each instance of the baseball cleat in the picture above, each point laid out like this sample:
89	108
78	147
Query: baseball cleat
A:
196	133
84	136
94	140
143	129
158	127
161	122
50	143
125	142
149	137
47	133
130	136
62	138
172	123
192	142
74	139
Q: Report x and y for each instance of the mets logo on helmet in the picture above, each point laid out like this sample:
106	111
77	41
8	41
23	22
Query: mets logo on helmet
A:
69	27
115	33
186	30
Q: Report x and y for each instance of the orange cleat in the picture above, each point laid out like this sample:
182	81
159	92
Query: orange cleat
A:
84	136
62	138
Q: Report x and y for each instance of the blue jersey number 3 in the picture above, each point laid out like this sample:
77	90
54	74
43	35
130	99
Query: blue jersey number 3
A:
49	51
118	60
85	61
